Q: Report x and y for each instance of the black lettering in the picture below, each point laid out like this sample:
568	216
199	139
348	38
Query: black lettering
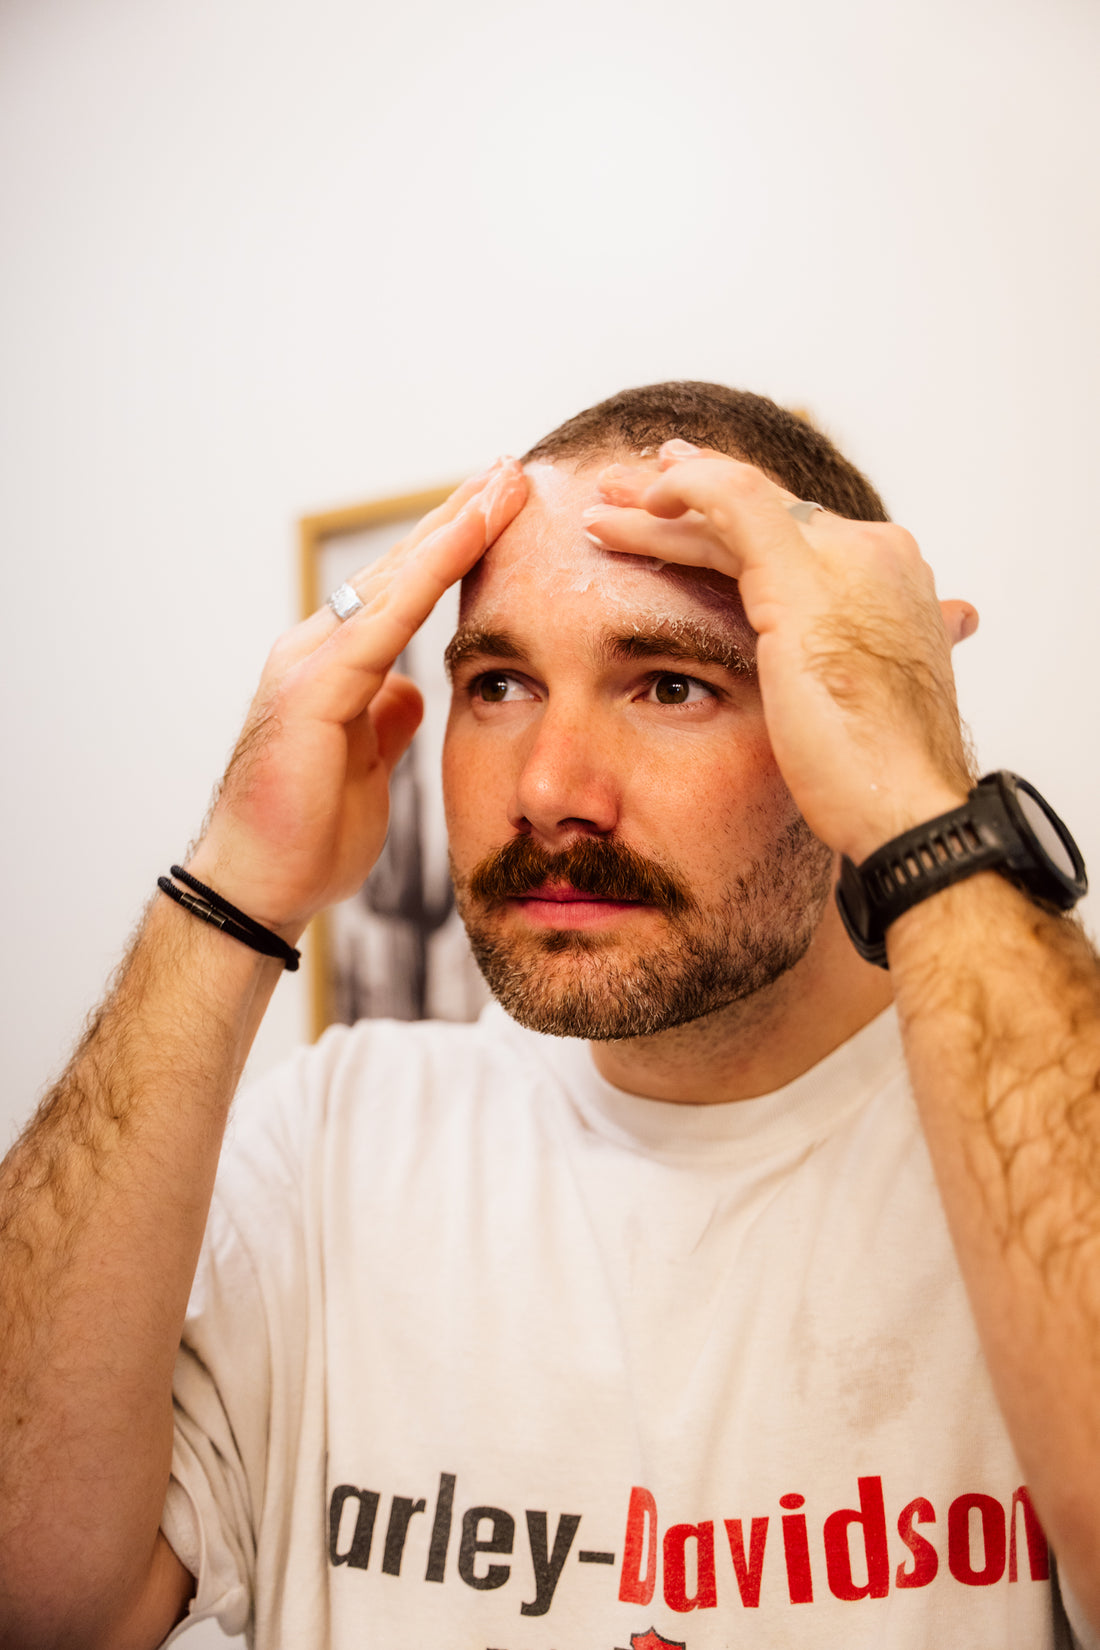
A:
501	1540
401	1511
547	1565
586	1557
358	1554
441	1528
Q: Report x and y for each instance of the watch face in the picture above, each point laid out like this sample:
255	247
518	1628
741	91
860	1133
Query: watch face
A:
1046	832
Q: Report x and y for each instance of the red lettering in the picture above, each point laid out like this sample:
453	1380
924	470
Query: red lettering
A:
1038	1553
959	1560
796	1551
705	1596
838	1559
750	1572
925	1558
636	1585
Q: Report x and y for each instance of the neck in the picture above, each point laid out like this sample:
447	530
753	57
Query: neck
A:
757	1045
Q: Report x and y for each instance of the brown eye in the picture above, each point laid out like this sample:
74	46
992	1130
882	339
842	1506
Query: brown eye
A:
492	689
677	690
499	687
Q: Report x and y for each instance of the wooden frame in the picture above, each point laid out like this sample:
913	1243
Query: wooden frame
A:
404	911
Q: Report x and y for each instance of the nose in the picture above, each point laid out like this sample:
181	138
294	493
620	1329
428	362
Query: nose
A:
568	782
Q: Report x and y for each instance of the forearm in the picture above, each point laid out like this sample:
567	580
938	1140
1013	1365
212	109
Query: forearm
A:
1000	1011
103	1203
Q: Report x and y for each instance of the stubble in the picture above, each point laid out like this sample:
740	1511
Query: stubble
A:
608	986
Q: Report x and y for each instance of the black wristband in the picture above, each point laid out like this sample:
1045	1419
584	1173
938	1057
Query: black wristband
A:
210	907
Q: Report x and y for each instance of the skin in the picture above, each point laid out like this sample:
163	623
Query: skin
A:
553	737
104	1200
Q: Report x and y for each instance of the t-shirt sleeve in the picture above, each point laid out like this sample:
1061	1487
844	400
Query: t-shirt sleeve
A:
221	1389
238	1370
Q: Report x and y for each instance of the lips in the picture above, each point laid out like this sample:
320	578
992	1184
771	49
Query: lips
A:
558	895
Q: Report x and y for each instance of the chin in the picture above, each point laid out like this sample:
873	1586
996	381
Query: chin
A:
574	985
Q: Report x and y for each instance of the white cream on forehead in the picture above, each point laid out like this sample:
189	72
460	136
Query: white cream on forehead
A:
556	498
568	562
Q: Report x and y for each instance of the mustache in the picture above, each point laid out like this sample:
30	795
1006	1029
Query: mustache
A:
592	865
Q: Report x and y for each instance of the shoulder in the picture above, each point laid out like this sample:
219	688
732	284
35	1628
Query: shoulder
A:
372	1085
393	1063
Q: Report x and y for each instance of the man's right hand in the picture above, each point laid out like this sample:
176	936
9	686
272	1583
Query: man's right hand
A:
301	815
105	1197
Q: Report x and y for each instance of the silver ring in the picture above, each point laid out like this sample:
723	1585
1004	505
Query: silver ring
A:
804	509
344	602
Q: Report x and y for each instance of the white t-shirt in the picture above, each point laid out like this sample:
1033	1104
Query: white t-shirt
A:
485	1354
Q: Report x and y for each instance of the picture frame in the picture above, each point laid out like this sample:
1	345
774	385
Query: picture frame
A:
396	949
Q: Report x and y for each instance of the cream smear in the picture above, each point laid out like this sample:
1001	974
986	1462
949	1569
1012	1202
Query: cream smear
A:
548	548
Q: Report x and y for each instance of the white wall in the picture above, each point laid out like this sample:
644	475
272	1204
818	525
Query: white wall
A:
267	256
264	256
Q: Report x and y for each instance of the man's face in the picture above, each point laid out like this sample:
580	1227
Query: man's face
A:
625	854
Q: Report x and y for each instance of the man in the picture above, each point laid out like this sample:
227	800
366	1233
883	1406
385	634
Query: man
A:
677	1309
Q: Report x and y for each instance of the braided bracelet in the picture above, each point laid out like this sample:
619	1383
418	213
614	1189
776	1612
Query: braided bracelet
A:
204	903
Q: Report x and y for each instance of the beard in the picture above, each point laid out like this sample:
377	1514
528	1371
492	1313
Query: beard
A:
600	986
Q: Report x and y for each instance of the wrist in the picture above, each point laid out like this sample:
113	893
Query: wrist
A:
1004	825
251	895
901	814
221	977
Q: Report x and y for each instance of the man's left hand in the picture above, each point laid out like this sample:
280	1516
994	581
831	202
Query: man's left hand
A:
854	649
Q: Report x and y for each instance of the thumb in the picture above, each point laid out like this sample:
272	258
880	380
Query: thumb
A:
960	620
396	711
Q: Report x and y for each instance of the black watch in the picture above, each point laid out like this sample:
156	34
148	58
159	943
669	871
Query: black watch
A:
1004	825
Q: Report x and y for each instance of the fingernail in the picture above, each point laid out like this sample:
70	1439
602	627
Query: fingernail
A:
593	512
483	475
680	449
594	538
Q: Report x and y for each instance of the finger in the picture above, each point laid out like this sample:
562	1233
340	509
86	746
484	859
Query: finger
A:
340	678
627	483
743	509
718	513
960	620
453	503
396	712
484	503
708	482
676	451
475	490
475	519
687	539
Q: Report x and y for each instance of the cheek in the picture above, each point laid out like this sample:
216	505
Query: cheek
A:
452	771
470	785
734	768
731	801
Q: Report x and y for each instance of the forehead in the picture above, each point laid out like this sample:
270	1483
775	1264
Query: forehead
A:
543	565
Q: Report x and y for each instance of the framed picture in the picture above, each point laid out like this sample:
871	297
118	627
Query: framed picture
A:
396	949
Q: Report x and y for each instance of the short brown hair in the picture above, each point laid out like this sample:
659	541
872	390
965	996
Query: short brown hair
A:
749	427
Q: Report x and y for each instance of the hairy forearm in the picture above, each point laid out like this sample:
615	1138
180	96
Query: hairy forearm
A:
1000	1010
103	1203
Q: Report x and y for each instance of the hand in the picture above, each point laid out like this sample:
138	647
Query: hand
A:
854	647
301	815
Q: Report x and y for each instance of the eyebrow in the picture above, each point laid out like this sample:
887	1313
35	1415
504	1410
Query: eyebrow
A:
474	642
687	640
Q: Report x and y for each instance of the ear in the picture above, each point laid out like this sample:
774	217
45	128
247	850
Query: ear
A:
960	620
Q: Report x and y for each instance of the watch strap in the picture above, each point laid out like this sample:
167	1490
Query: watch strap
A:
976	836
